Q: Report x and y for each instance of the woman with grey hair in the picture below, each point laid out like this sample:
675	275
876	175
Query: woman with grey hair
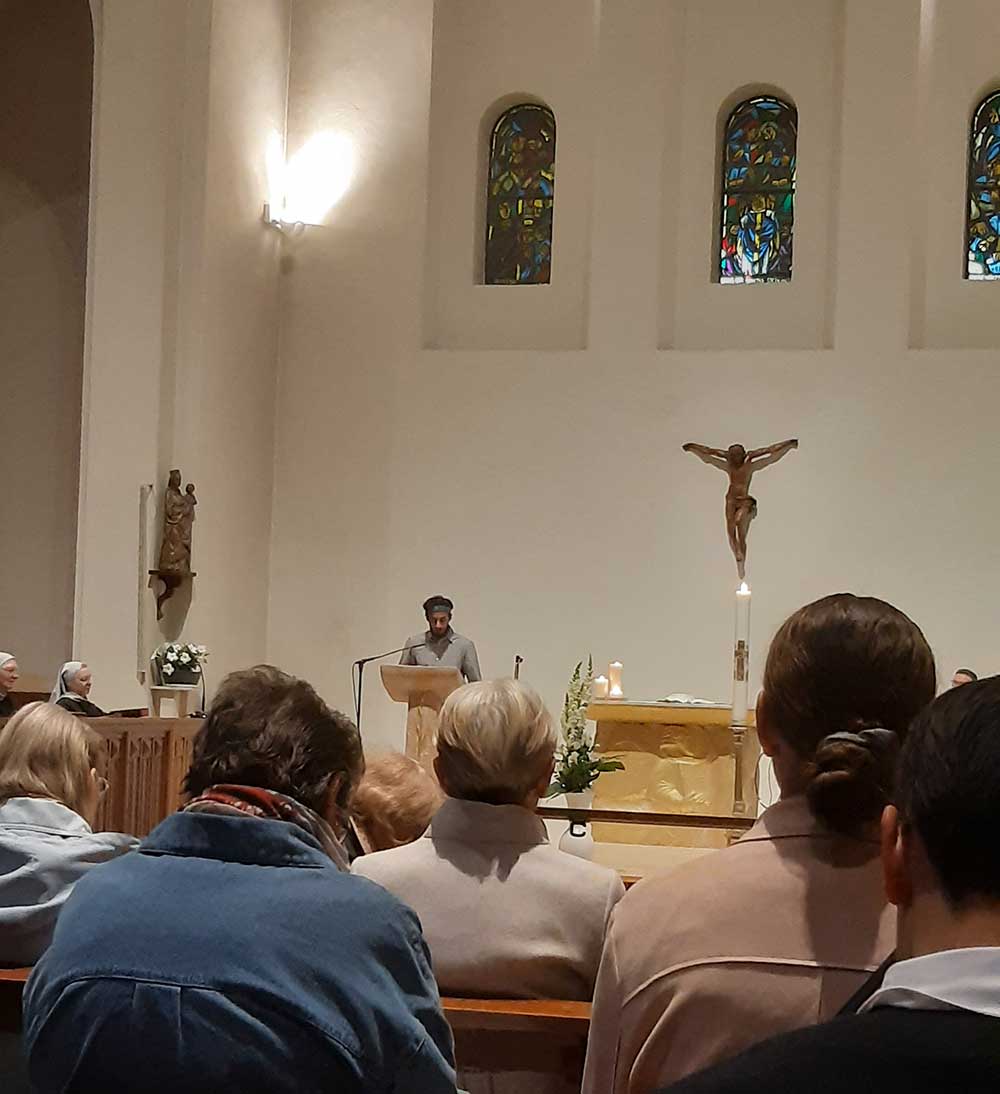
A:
504	913
8	678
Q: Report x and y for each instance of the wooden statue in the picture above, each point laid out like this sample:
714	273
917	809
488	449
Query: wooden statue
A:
741	508
178	518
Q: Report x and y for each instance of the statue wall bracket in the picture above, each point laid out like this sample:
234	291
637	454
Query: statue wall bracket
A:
171	581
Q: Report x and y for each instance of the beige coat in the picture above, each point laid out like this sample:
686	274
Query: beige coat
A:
773	933
505	914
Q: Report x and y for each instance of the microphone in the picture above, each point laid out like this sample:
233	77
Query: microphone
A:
360	666
388	653
518	662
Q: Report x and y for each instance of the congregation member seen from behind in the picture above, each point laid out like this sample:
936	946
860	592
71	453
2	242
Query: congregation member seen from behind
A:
393	804
233	950
49	793
934	1025
779	930
72	690
504	913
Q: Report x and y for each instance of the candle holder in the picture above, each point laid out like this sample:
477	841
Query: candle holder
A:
741	683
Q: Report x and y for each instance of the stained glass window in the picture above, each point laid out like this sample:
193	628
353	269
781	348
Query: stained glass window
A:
758	192
984	191
520	193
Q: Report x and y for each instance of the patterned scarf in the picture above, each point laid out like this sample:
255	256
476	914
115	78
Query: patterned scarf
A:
226	799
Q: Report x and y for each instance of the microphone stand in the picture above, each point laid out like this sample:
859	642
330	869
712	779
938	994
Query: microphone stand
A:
518	662
360	666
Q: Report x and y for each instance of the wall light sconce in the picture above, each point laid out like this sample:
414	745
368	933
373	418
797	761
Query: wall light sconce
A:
304	189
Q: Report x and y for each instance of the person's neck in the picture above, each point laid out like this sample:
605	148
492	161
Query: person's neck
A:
931	925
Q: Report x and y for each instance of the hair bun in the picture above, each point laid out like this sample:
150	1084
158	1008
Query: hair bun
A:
851	776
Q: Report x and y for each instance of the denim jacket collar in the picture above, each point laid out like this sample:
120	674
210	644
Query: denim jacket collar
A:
252	841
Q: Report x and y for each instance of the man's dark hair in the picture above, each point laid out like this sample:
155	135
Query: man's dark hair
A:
948	788
268	729
966	672
437	604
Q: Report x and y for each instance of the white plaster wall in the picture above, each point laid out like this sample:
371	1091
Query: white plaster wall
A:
45	133
962	67
486	59
545	491
182	324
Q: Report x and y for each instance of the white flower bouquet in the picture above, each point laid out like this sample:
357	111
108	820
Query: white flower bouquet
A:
179	662
577	761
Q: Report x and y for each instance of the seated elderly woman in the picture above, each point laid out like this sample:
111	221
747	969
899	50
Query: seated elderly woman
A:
8	678
72	690
233	950
504	913
49	790
393	804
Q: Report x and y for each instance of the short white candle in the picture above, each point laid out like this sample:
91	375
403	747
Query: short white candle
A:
600	687
615	680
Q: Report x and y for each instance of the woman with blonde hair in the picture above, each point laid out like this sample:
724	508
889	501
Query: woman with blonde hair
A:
49	792
393	804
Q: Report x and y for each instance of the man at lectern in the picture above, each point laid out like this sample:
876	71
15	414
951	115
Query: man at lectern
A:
439	646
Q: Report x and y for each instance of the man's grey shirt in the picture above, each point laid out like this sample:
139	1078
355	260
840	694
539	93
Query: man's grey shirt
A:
450	651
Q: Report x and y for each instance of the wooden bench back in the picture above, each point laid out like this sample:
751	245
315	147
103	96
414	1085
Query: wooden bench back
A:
540	1035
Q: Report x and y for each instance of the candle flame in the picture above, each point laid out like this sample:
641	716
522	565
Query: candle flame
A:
743	590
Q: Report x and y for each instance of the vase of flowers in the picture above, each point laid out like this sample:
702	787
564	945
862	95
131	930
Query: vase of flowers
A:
179	663
578	763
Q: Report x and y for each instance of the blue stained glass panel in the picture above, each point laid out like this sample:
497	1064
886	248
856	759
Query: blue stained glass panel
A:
983	228
520	197
758	192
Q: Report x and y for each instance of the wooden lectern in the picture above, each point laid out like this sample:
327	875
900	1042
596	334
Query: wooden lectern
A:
423	689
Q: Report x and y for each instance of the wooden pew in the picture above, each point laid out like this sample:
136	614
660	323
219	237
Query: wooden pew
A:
145	761
539	1035
12	983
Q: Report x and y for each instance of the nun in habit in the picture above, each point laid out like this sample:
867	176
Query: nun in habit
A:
72	690
8	677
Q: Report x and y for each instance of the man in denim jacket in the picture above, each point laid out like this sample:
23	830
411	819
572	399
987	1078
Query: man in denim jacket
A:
233	951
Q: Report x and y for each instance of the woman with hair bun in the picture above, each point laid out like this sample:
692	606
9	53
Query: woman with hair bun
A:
779	930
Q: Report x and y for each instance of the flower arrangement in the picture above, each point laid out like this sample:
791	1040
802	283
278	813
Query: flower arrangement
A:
179	662
577	762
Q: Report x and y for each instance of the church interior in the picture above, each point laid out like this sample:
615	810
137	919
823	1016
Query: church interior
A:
426	297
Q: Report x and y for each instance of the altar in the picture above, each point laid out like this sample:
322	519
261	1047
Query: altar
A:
679	759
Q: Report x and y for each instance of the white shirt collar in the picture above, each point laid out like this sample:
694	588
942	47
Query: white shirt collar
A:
952	979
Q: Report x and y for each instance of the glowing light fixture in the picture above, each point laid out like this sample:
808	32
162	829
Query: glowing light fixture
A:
304	189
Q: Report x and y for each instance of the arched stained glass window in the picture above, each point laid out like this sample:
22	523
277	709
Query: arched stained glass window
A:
758	192
984	191
519	197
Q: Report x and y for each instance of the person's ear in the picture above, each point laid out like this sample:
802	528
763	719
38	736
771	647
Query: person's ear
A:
332	812
765	730
895	859
542	787
440	777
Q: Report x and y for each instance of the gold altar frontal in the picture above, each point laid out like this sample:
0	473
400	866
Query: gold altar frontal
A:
678	759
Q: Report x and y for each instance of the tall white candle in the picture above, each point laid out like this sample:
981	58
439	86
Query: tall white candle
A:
600	690
741	655
615	680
